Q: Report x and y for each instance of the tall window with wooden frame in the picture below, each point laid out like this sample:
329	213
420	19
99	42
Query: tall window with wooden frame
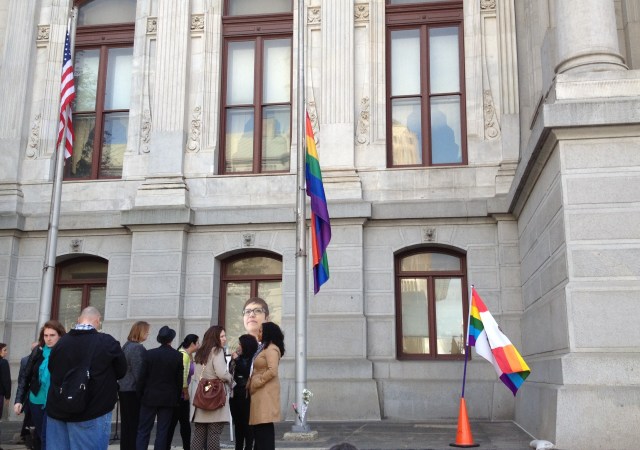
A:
425	83
79	283
431	304
257	274
103	57
256	91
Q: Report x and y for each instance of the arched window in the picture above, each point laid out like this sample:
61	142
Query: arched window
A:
80	282
103	58
245	276
431	304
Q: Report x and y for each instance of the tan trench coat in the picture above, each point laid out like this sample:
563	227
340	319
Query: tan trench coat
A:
216	367
264	387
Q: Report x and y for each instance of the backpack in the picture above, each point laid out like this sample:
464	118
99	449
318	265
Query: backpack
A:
72	393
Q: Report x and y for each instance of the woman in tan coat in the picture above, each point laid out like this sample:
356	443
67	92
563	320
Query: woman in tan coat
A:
264	386
211	364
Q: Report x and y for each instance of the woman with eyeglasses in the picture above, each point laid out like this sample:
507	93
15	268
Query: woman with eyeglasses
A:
254	314
264	386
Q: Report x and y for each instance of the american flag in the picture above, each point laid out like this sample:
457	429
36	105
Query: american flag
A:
67	94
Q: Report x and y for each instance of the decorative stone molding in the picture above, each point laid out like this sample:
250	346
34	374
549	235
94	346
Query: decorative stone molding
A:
76	246
194	135
313	16
43	33
145	130
197	22
34	138
313	117
362	133
487	4
152	25
248	239
491	124
428	234
361	12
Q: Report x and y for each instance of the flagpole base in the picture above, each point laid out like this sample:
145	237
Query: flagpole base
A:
464	445
301	433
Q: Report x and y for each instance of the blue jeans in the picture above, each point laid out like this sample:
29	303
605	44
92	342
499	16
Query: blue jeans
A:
88	435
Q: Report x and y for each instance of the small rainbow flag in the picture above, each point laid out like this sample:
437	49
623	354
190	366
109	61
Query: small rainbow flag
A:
320	226
490	343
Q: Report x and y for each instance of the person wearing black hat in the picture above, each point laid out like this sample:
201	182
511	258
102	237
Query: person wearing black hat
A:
161	386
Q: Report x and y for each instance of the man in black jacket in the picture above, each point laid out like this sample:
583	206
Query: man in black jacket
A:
84	346
161	384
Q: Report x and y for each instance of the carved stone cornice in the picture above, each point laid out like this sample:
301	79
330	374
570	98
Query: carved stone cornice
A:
313	15
361	12
194	134
145	131
152	25
34	138
197	22
487	4
491	125
43	33
313	117
362	132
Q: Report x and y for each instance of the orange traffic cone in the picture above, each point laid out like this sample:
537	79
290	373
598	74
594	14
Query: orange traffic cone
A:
463	437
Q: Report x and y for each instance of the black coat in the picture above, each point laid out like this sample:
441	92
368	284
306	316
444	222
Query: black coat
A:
108	364
162	377
29	376
5	379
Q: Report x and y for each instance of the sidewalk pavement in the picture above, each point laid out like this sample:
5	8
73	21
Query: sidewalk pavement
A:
378	435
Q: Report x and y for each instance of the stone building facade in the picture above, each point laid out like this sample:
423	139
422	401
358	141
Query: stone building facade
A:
537	206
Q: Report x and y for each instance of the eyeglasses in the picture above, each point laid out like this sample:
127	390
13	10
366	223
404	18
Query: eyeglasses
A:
254	311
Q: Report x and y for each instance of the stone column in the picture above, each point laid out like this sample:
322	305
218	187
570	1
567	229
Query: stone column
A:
587	36
337	110
165	183
15	92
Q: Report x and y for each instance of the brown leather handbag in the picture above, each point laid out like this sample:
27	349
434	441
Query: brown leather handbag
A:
210	394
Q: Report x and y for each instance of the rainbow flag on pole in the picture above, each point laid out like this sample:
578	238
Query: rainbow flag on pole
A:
490	343
320	226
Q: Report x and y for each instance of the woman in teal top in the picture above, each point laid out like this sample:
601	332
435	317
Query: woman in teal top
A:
36	379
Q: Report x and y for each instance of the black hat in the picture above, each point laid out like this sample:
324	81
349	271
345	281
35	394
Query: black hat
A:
165	335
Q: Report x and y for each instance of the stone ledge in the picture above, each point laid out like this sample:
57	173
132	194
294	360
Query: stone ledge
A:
157	216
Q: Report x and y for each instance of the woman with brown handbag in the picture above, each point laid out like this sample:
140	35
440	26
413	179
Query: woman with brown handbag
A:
211	364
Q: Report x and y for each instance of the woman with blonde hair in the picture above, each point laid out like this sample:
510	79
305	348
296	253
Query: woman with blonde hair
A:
130	384
211	363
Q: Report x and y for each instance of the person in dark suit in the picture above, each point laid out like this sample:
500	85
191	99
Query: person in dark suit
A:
161	385
5	377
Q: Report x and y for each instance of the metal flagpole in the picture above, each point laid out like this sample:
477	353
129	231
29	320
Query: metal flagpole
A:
300	425
48	272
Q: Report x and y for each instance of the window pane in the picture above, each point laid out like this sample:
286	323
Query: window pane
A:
239	140
259	265
277	71
69	306
114	144
427	262
405	62
85	73
406	131
444	60
275	138
449	318
84	270
84	134
245	7
97	295
415	316
271	292
236	294
119	69
95	12
240	80
445	130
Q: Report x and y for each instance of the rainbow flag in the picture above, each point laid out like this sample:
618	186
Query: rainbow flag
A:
490	343
320	226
